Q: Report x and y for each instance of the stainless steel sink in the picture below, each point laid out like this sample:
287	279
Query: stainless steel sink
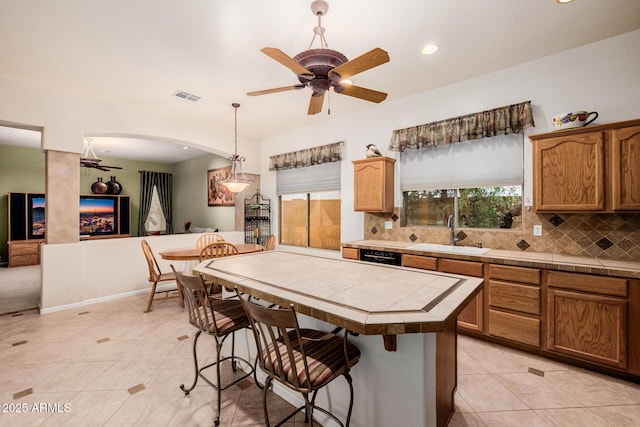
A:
434	247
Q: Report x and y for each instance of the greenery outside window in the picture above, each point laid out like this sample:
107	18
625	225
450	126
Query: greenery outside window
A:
311	219
480	207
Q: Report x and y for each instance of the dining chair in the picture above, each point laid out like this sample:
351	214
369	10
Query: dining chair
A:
215	250
270	243
156	276
304	360
208	238
219	318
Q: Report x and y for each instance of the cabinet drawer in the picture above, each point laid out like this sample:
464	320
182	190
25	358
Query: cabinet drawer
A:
467	268
525	330
417	261
587	283
516	297
22	260
515	274
24	249
351	253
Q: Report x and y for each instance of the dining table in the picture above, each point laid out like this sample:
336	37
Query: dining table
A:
193	253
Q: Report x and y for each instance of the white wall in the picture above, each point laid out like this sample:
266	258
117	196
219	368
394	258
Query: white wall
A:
602	77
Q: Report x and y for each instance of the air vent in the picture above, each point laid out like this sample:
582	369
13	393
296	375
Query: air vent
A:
186	96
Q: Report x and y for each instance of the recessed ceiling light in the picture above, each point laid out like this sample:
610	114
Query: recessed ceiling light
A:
184	147
430	49
564	1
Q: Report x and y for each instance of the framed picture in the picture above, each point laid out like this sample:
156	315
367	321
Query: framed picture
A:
217	194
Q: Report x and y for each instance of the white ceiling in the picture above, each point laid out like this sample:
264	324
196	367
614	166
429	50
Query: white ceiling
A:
138	53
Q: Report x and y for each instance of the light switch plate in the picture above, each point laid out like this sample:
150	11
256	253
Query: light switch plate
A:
537	230
388	225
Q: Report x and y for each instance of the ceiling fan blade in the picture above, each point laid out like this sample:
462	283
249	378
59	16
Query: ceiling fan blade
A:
315	105
288	62
371	59
102	168
110	167
274	90
361	92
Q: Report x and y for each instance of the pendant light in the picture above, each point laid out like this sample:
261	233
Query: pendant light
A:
237	181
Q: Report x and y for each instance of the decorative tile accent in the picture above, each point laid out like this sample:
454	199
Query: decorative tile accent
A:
22	393
556	220
183	337
604	243
374	230
19	343
537	372
523	245
101	340
461	235
576	236
394	217
136	389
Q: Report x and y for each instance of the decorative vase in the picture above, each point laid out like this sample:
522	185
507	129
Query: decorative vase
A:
99	187
114	187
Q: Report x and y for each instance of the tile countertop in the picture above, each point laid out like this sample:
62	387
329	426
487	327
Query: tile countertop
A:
607	267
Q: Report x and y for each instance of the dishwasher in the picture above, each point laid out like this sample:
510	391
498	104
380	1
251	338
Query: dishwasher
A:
381	257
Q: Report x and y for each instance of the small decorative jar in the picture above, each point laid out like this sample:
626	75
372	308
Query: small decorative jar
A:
99	187
114	187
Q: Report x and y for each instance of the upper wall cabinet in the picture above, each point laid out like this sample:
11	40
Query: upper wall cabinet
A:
591	169
373	184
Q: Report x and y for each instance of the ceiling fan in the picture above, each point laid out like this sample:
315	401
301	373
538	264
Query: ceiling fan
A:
324	68
90	160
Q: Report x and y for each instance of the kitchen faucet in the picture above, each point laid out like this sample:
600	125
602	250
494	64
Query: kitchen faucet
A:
452	234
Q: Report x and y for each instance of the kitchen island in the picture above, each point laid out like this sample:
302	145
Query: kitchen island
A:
411	379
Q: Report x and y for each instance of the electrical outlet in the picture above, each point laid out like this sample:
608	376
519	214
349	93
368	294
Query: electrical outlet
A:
537	230
388	225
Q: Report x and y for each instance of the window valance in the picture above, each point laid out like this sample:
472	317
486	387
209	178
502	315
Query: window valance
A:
498	121
309	157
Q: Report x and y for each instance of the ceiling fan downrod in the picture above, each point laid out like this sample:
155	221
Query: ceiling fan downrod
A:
319	8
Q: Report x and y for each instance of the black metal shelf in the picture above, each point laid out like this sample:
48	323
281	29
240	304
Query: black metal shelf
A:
257	219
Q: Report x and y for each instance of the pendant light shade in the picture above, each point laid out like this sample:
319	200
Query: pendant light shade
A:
237	181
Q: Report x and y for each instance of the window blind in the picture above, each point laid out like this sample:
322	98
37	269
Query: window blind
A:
320	177
494	161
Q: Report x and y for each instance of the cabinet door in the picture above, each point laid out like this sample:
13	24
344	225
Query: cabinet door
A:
569	172
587	326
373	185
472	317
626	169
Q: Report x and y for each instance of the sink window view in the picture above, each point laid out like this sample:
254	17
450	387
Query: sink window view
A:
482	207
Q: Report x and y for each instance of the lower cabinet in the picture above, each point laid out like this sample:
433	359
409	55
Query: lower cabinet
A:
472	317
588	325
24	252
514	304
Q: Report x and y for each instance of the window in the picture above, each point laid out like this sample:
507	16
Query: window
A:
480	207
311	219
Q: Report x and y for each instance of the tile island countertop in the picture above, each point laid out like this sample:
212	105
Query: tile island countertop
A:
606	267
370	299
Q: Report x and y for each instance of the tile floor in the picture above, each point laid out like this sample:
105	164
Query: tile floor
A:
109	364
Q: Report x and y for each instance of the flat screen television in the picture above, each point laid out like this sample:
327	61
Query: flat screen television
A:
98	215
36	226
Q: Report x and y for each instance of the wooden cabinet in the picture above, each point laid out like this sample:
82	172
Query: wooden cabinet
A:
472	317
373	184
419	261
26	252
351	253
590	169
626	168
514	304
587	317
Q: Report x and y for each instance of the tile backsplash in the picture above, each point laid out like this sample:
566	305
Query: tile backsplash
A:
610	236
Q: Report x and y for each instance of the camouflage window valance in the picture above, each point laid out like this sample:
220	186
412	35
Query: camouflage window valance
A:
499	121
309	157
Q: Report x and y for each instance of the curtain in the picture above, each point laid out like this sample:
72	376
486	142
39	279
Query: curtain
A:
499	121
309	157
163	183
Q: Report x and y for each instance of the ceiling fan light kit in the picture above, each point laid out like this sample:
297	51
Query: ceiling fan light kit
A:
323	68
237	181
90	160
